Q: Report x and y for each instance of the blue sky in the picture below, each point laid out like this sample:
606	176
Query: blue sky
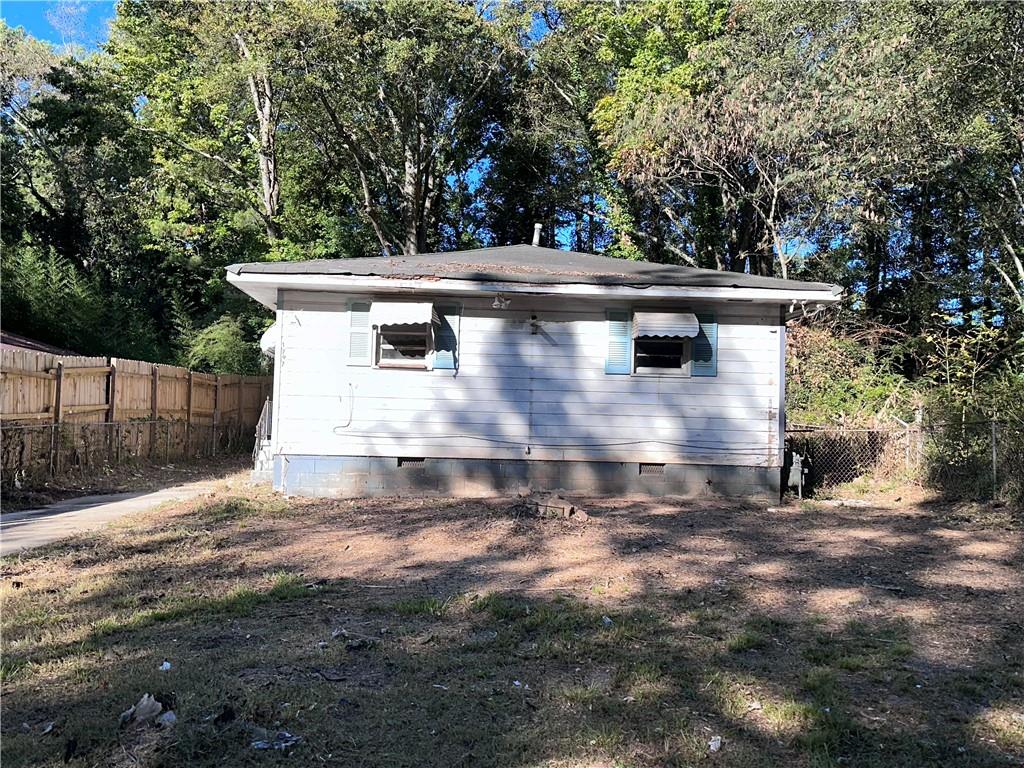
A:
61	22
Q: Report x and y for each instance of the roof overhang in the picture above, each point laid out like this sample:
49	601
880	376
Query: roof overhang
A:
264	287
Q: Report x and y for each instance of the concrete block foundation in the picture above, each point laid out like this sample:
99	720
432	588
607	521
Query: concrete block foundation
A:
361	476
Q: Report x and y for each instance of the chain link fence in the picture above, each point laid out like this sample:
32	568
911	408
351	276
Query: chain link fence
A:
30	453
963	460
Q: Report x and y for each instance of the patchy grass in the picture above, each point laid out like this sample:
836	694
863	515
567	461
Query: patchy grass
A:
747	640
402	632
435	607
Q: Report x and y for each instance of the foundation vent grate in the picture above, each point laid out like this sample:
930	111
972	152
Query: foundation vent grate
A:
652	470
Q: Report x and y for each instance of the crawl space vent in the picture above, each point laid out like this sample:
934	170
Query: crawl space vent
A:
656	470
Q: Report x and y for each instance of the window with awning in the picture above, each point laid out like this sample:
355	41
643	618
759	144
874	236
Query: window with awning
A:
662	342
404	334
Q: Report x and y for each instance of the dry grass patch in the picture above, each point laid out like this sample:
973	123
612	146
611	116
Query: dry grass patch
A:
408	632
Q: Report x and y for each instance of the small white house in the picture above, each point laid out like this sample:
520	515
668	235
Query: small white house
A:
500	369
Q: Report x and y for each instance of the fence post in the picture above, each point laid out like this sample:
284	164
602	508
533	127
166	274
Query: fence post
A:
216	414
112	390
995	477
113	434
238	408
58	407
188	417
918	441
154	409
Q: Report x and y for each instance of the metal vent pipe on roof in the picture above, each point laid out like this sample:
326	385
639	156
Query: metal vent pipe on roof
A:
536	234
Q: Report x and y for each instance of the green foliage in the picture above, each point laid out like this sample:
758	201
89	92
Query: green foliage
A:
771	134
863	144
225	346
47	297
960	413
837	378
974	376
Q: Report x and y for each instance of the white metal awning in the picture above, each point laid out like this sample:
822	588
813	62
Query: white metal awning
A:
268	341
402	313
665	324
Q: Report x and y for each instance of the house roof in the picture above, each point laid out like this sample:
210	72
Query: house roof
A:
530	264
10	340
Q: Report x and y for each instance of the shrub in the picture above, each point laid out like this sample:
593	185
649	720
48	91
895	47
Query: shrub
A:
831	377
225	346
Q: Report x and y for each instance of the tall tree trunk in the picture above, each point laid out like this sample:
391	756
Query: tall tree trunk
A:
412	205
875	247
875	250
923	298
269	182
262	94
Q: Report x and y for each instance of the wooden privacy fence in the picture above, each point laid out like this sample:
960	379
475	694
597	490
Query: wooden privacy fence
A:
61	414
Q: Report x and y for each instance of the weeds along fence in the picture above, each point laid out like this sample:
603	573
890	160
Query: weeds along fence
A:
63	415
962	460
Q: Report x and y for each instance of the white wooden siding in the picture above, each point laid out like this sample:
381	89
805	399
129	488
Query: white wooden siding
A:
517	394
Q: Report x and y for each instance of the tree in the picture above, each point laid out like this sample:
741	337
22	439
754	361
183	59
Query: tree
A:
71	180
215	80
773	123
401	95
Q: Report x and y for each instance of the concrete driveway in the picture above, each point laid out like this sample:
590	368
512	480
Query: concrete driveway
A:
34	527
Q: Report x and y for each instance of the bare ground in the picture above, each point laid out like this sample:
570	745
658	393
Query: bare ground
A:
407	632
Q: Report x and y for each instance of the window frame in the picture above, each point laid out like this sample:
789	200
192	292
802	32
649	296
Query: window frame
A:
427	362
683	372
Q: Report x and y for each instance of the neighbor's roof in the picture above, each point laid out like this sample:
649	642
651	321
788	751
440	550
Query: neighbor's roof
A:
10	340
529	264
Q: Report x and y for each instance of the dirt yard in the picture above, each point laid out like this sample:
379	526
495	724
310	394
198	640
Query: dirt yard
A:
405	632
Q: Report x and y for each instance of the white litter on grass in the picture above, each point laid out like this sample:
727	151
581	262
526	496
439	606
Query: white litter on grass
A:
145	710
715	744
606	620
282	740
166	666
438	685
167	719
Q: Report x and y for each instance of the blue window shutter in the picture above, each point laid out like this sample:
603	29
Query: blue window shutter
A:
620	343
359	333
705	347
446	337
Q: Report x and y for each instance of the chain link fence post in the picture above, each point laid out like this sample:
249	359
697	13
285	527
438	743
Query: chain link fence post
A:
995	461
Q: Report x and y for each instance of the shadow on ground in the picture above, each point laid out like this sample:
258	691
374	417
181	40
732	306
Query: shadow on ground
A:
406	632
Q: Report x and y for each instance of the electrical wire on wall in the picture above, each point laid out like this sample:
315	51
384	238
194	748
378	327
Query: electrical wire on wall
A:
351	409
